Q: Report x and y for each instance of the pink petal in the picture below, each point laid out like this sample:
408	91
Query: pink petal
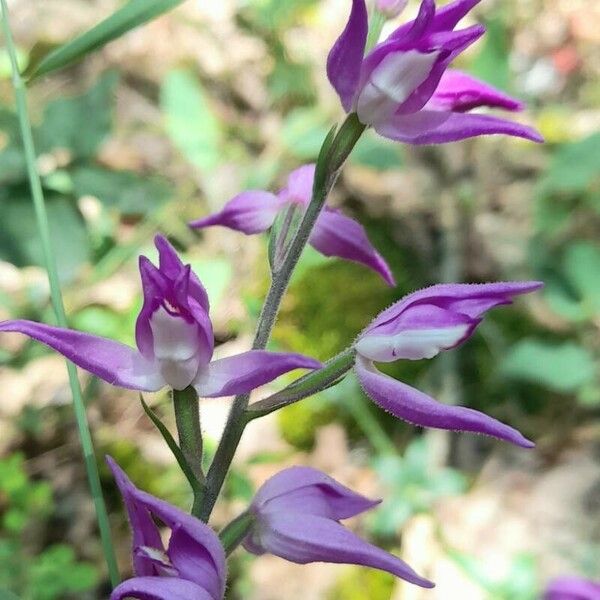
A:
413	406
299	185
345	58
303	539
440	127
160	588
459	92
249	212
244	372
337	235
111	361
310	491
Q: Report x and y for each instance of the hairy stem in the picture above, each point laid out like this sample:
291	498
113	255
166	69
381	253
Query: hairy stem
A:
187	420
234	533
57	301
312	383
333	154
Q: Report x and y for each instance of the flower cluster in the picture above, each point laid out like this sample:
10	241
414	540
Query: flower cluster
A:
403	88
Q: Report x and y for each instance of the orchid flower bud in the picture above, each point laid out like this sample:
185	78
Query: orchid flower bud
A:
420	326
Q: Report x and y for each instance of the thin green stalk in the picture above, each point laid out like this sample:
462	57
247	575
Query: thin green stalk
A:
333	154
57	302
187	419
234	533
376	23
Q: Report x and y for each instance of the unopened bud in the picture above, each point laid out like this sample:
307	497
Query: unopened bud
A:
391	8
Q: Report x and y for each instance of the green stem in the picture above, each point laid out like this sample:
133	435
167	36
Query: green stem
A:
57	302
333	154
187	419
312	383
234	533
376	23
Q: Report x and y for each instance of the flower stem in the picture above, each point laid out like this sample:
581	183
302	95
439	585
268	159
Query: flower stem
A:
56	298
312	383
333	154
187	420
234	533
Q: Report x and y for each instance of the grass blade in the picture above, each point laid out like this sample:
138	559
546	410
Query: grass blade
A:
133	14
57	302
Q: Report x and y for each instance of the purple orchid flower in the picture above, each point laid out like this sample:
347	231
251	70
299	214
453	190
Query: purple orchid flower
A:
420	326
174	339
402	89
391	8
334	234
193	567
297	514
572	588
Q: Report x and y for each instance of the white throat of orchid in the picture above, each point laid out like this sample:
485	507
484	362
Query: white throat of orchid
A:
391	83
175	348
411	344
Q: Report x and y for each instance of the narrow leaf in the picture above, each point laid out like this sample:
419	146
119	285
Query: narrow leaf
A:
133	14
173	446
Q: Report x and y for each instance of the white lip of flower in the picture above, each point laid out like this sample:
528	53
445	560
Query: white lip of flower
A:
175	348
411	344
391	83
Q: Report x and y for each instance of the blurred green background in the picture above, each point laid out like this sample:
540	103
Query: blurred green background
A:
170	121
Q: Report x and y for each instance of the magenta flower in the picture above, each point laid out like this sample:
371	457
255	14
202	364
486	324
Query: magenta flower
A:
174	339
402	89
334	234
572	588
420	326
391	8
192	567
297	514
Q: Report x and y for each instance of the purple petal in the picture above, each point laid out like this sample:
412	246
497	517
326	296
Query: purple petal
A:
154	286
422	331
299	185
160	588
447	17
111	361
460	92
310	538
249	212
413	406
337	235
143	528
471	299
194	549
439	127
309	491
448	46
170	264
242	373
345	58
572	588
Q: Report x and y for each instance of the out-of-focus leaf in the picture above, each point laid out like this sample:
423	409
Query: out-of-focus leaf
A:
375	152
277	15
79	124
581	270
560	367
215	275
575	168
133	14
12	160
491	64
19	242
303	132
131	193
190	121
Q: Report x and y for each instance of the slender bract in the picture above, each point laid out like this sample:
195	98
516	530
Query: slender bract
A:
57	303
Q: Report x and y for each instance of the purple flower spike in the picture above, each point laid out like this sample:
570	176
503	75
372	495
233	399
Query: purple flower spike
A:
334	234
174	338
420	326
572	588
297	514
192	567
402	87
